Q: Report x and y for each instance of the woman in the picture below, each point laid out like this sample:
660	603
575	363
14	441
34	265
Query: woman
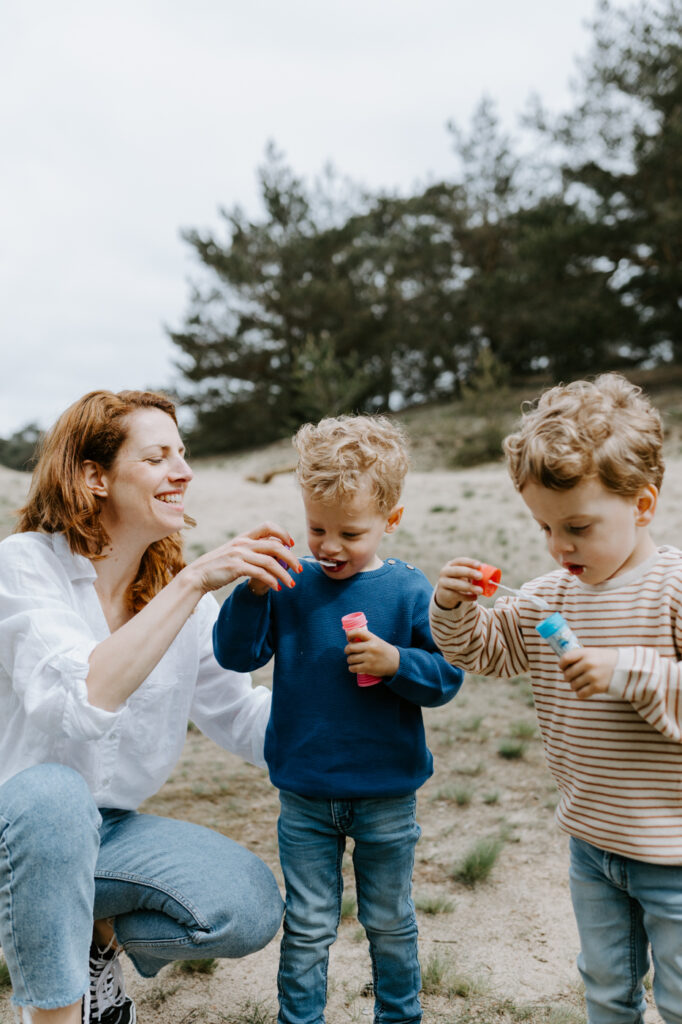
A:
105	653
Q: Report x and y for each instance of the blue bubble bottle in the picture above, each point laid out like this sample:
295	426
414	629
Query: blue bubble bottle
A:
558	634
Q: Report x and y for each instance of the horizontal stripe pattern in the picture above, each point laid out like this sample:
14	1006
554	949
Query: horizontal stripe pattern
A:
616	757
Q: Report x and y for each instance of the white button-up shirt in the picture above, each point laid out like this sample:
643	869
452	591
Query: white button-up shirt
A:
50	620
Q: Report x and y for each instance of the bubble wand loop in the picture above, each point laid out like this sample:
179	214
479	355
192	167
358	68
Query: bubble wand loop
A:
490	582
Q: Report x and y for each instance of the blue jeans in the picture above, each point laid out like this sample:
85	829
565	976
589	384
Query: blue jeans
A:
621	906
175	890
312	838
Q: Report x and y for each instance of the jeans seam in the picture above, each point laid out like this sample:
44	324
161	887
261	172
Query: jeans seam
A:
152	883
10	865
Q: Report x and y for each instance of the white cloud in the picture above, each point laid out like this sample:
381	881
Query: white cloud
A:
123	123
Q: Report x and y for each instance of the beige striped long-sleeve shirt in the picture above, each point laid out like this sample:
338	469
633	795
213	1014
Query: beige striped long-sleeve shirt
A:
616	757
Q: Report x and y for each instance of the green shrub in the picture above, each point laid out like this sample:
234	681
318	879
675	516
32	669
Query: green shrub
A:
477	864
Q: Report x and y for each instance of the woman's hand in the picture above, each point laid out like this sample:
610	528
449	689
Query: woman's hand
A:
255	553
457	582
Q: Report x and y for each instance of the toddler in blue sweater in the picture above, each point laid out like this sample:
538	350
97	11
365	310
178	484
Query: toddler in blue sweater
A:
346	759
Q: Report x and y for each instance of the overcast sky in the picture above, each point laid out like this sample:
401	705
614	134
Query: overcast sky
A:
122	123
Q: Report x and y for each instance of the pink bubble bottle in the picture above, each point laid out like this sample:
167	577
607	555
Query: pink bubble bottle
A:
358	620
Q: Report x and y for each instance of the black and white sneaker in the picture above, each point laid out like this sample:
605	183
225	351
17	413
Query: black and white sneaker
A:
108	1001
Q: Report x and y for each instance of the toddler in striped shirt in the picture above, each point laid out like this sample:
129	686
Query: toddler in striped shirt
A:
587	461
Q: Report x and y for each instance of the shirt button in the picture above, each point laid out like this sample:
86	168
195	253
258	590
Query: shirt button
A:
391	561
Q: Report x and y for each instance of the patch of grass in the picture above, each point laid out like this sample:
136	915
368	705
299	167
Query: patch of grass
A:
440	978
156	996
511	750
564	1014
476	865
471	770
472	724
434	974
523	730
4	976
460	795
443	508
438	904
491	798
349	907
207	965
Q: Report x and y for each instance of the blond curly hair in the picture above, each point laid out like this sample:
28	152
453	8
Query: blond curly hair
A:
338	454
606	429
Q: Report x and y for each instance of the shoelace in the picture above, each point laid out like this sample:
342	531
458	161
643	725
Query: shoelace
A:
106	982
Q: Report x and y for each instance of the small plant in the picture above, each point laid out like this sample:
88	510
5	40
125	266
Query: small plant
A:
563	1014
434	904
439	978
156	996
460	795
491	798
512	750
477	864
205	966
4	976
471	770
523	730
472	724
253	1012
434	973
349	907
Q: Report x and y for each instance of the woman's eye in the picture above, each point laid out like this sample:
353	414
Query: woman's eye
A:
155	461
577	529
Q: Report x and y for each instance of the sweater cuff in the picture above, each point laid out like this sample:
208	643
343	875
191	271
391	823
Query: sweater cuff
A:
448	614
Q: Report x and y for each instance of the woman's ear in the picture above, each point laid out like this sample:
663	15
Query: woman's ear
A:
647	499
93	476
394	518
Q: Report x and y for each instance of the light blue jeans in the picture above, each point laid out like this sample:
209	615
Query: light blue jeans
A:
621	906
175	890
312	839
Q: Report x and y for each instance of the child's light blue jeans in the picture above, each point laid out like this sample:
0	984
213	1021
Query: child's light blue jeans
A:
175	890
621	906
312	838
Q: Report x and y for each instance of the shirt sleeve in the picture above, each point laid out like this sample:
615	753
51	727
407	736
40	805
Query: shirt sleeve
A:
424	677
226	707
484	641
242	637
45	644
652	683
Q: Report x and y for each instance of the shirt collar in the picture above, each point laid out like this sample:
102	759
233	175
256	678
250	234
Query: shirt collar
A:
77	567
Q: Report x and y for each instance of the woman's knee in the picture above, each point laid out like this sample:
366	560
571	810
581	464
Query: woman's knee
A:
51	806
260	923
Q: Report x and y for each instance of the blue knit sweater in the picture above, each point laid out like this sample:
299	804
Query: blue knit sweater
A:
327	737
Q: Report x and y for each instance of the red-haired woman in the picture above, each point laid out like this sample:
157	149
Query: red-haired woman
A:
105	654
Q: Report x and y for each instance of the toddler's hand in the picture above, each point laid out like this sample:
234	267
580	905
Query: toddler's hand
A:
370	654
589	669
457	582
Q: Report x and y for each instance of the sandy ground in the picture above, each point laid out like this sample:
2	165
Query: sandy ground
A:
505	949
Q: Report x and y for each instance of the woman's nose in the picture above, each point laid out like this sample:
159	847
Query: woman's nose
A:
180	470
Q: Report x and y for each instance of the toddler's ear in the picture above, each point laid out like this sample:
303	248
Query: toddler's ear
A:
647	499
394	518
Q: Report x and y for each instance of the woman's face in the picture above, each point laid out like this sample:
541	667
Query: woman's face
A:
143	491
